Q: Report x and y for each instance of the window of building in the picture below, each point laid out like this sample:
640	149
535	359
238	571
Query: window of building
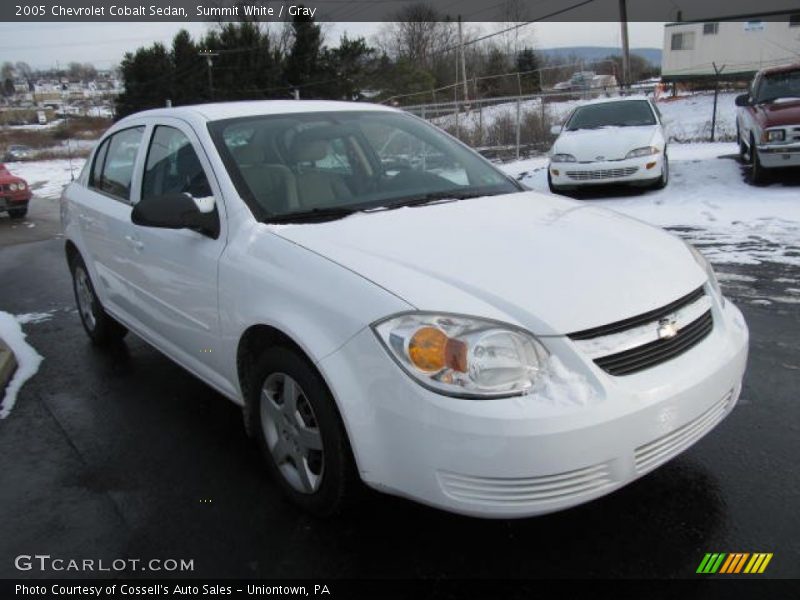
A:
710	28
682	41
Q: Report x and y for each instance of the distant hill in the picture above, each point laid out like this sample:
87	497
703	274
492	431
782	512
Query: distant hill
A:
652	55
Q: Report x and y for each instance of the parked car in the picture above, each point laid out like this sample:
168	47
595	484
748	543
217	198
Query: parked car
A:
768	121
14	194
613	140
438	333
18	152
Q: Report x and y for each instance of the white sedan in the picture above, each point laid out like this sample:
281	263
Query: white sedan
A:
387	307
613	140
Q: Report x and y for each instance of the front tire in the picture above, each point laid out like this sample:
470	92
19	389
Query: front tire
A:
101	328
556	189
18	213
300	433
758	174
662	181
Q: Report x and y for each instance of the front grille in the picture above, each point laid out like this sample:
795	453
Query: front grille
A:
652	454
527	490
602	174
659	351
642	319
633	344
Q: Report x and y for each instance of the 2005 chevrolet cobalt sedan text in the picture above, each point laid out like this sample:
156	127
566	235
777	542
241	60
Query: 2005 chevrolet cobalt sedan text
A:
387	306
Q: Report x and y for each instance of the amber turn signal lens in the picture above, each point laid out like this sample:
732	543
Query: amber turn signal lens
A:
650	165
554	172
431	350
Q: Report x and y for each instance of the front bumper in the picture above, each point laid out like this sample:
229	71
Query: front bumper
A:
12	200
528	455
773	156
631	170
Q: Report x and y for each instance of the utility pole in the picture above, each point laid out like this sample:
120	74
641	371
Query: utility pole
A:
209	56
463	63
717	73
626	55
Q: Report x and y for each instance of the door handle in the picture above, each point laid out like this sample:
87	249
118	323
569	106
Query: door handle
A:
134	243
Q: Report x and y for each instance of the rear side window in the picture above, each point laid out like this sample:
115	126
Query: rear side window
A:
173	166
112	171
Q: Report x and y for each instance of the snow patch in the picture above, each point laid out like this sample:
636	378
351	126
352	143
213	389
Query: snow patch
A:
34	317
557	385
28	360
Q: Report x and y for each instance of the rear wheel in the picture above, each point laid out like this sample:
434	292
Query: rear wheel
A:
101	328
300	432
18	213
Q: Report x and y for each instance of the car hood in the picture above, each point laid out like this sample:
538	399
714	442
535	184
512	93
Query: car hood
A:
782	112
546	263
610	143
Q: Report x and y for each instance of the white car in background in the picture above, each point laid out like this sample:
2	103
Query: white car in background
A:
612	140
387	306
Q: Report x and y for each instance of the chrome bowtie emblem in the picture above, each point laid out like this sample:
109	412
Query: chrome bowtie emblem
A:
667	328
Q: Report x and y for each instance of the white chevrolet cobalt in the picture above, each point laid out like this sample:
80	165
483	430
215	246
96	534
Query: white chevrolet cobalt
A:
612	140
388	307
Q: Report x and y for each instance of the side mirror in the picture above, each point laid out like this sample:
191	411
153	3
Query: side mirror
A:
742	100
178	211
555	129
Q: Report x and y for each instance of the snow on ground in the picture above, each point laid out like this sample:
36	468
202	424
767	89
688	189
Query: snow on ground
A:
47	177
708	202
28	359
687	118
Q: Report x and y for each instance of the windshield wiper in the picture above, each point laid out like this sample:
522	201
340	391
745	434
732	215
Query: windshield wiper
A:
448	196
315	215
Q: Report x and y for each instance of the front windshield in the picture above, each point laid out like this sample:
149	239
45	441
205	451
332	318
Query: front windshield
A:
779	85
291	166
631	113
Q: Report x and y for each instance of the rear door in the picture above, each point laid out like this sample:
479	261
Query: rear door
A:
104	214
173	274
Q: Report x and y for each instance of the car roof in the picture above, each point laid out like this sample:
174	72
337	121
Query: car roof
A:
638	97
217	111
780	69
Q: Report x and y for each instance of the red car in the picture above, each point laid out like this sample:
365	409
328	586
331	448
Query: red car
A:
768	120
14	194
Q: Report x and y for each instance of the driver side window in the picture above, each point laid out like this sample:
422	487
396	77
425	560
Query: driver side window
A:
173	166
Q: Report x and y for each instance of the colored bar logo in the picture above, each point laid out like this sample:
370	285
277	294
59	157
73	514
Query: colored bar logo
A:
734	563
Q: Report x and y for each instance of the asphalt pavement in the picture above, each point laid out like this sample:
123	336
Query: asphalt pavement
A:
124	454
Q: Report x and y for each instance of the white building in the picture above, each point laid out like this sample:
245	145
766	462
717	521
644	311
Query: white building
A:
740	48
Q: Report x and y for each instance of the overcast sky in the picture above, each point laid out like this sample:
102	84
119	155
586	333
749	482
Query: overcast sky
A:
103	44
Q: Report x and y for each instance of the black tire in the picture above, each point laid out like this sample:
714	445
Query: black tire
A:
758	174
18	213
662	181
102	329
333	465
742	145
556	189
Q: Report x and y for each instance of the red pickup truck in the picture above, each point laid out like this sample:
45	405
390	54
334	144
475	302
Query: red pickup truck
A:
768	121
14	194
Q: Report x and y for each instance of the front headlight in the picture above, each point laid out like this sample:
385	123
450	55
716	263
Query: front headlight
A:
774	135
712	277
563	158
12	187
463	356
20	186
645	151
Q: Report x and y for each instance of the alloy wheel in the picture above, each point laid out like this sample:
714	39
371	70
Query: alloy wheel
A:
292	432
